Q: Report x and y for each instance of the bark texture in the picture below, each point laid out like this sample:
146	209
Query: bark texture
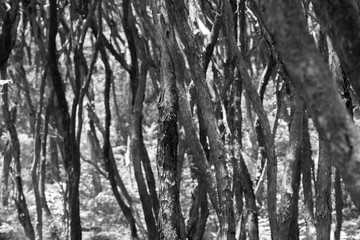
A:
194	53
71	158
342	24
290	184
170	213
312	80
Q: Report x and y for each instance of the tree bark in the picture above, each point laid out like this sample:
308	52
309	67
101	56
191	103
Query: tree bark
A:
169	225
138	152
136	155
72	158
252	216
197	150
306	167
262	116
20	201
5	175
217	152
312	80
342	24
339	204
107	152
323	194
289	195
36	162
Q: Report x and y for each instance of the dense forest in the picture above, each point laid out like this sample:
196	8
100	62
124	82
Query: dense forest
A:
173	119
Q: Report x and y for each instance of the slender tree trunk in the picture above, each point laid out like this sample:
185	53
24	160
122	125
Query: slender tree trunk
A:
256	102
323	194
42	167
252	217
107	153
306	167
5	175
10	23
198	213
138	152
72	158
54	154
194	53
199	155
339	204
289	195
94	156
36	162
136	155
20	201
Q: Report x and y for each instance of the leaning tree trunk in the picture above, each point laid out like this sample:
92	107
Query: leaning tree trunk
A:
311	78
342	23
193	50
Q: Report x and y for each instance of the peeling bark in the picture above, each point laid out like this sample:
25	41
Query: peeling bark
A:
169	215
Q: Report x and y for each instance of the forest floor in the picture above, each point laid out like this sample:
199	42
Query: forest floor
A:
350	230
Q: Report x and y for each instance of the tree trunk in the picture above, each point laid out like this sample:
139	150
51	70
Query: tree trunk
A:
258	108
138	152
194	53
311	78
94	158
252	217
306	167
136	155
167	137
54	159
7	43
107	152
198	213
169	225
5	175
36	162
72	158
197	150
338	205
323	194
199	210
342	24
42	167
289	196
20	201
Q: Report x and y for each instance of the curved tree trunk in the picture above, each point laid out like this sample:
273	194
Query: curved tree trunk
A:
107	152
311	78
